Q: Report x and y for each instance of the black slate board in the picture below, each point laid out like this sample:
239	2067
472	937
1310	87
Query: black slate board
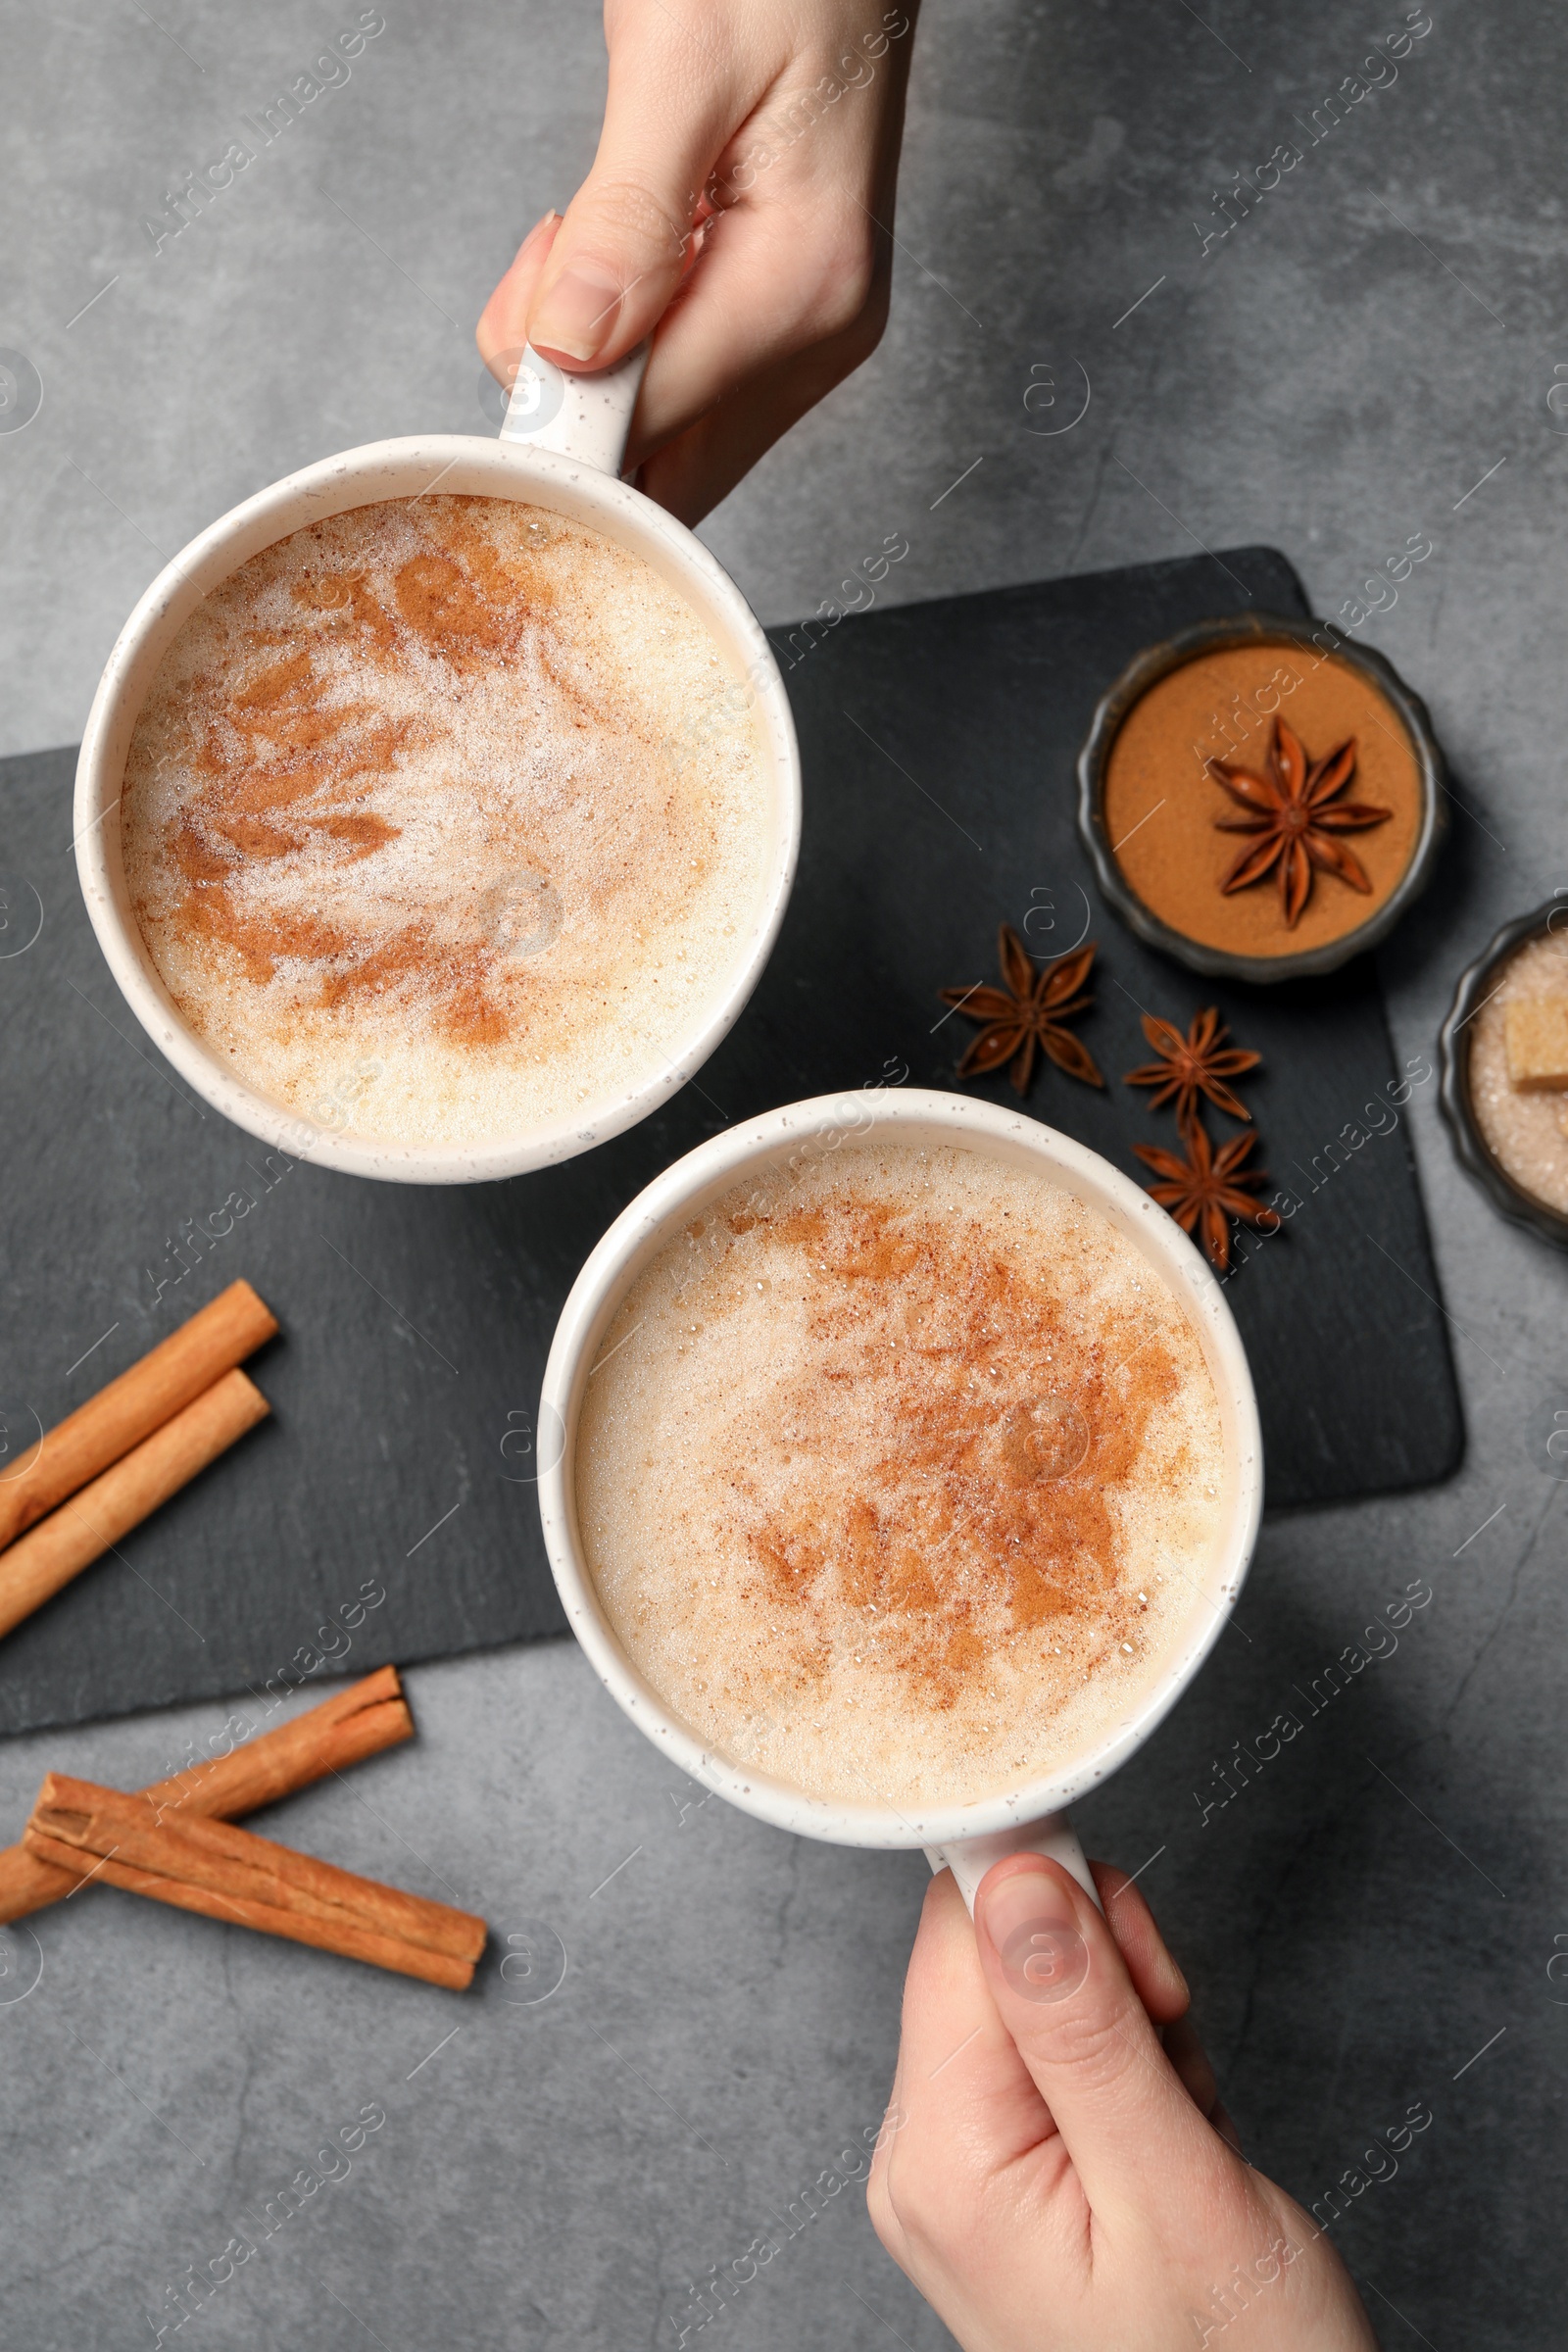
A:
415	1322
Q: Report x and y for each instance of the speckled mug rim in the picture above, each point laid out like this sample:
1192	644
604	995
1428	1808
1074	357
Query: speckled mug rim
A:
1471	1147
687	1187
408	468
1157	661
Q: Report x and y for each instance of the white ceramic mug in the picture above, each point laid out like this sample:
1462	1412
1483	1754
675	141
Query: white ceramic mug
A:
561	448
968	1838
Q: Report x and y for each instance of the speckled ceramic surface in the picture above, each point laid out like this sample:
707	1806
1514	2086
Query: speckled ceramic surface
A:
507	468
916	1118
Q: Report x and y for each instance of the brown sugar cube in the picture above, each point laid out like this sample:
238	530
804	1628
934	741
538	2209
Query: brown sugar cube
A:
1537	1035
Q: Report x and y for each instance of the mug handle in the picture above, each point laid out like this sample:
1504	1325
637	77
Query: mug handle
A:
582	417
969	1858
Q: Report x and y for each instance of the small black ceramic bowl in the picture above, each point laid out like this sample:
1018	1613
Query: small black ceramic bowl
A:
1476	1155
1219	636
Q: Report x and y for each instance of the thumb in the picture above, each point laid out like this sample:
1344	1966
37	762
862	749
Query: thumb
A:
624	246
1062	1990
502	328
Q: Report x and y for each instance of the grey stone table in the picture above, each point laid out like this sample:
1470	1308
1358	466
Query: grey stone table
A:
1363	352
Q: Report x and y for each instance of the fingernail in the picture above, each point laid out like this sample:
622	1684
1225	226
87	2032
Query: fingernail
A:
579	312
542	224
1029	1924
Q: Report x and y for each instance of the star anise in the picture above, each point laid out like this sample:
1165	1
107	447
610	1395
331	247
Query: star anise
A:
1296	808
1026	1012
1198	1063
1201	1190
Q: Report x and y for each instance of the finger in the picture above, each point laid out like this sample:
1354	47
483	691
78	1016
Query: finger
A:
756	338
799	260
1220	2120
624	243
1159	1982
1063	1990
878	2204
791	297
1194	2071
690	475
955	2055
502	328
965	2106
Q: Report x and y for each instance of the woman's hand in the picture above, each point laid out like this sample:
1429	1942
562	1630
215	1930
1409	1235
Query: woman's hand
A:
741	204
1061	2178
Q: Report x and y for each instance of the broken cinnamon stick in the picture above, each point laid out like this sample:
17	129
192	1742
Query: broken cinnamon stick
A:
92	1521
354	1723
226	1873
170	1375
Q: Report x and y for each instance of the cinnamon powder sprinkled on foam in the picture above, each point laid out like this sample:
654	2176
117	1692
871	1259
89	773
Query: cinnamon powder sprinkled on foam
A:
450	807
832	1493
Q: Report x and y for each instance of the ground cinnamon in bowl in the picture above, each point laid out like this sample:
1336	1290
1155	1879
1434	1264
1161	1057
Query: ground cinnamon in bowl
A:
1260	797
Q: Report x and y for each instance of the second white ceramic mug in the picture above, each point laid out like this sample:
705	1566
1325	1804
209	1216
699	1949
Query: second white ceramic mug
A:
561	448
966	1838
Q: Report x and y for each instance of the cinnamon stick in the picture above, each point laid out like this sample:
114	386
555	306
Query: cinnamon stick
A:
170	1375
354	1723
91	1521
226	1873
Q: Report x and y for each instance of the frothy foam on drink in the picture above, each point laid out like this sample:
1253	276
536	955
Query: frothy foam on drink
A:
899	1475
444	819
